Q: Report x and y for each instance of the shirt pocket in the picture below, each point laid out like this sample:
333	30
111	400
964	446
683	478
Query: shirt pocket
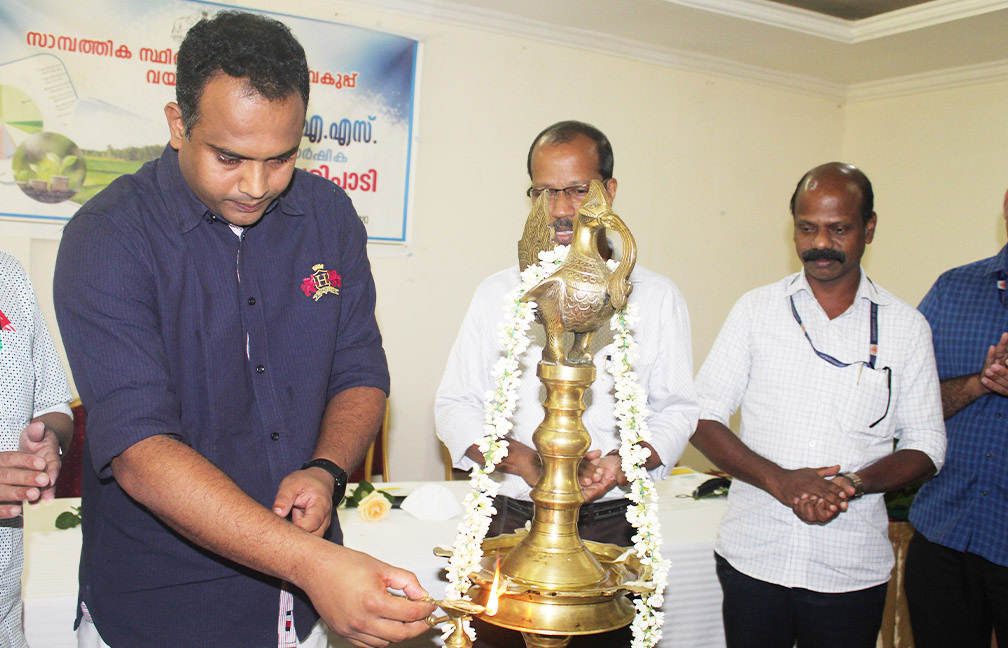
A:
863	400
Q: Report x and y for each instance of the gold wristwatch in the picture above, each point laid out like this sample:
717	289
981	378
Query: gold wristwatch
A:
856	481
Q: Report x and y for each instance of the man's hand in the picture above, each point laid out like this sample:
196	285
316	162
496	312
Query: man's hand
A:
521	460
306	495
350	591
598	475
29	473
994	374
812	497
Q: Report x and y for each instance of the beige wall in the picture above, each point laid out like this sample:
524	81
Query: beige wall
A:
939	165
705	168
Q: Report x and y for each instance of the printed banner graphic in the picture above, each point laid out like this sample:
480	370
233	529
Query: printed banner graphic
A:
83	87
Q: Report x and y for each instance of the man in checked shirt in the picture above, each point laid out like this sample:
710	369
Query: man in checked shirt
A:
829	369
957	563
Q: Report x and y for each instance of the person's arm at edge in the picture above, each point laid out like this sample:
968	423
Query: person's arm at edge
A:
958	392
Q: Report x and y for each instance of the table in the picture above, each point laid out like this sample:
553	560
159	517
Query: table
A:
692	601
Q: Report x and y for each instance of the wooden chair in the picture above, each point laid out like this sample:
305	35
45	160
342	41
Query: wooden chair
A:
450	472
377	454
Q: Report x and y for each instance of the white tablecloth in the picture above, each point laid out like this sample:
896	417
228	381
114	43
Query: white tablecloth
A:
692	601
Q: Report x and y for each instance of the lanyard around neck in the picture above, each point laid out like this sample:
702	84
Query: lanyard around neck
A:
873	342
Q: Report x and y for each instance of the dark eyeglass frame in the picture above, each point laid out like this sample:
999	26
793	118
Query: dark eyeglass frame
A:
552	194
888	371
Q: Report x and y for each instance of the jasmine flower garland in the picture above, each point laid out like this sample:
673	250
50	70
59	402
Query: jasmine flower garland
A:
631	418
631	414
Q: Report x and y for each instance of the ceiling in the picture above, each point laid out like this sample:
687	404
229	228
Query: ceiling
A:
852	9
887	47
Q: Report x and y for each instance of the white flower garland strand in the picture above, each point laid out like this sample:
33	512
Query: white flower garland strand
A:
631	417
631	414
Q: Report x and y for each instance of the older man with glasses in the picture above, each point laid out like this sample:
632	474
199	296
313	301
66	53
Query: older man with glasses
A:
829	369
562	161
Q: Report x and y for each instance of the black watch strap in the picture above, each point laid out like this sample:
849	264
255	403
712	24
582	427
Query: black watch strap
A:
339	477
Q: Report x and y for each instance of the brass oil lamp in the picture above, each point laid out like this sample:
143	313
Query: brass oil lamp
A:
550	584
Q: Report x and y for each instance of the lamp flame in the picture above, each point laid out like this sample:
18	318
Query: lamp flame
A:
496	589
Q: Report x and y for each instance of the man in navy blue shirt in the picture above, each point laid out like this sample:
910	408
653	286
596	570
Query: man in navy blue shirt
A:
217	309
957	563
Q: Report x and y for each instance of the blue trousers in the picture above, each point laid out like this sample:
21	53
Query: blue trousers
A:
758	614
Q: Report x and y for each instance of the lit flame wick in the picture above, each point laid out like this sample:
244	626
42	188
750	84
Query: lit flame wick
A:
496	589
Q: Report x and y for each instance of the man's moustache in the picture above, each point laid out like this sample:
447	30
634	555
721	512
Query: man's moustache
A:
824	255
563	225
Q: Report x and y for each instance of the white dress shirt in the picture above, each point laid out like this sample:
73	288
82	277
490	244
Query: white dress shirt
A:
799	410
664	369
32	383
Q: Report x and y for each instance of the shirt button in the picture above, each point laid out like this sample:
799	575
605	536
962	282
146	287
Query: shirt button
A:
275	436
983	493
990	454
998	415
260	369
251	301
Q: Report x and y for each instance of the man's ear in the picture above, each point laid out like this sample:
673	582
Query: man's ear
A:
870	228
610	186
176	125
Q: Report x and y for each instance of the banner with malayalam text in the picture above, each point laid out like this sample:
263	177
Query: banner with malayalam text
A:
83	87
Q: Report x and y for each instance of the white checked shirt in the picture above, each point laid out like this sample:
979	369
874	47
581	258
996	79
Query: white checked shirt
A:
798	410
32	383
665	370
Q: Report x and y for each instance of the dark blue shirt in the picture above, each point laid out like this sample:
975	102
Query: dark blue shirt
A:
174	325
965	507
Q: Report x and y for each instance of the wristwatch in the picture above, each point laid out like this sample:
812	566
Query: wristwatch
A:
856	481
339	477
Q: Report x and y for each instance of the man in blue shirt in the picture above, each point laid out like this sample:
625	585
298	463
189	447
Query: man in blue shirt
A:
957	563
217	309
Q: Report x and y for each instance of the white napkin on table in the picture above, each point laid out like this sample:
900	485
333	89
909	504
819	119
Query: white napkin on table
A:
432	502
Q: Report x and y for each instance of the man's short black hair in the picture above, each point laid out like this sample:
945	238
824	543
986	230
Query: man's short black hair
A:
855	175
248	46
565	131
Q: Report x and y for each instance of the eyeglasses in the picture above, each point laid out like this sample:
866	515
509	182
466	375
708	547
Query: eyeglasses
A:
576	193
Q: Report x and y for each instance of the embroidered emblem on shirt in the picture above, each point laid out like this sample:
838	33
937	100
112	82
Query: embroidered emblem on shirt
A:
321	282
5	323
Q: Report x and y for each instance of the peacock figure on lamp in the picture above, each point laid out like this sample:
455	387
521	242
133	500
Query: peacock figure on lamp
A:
583	293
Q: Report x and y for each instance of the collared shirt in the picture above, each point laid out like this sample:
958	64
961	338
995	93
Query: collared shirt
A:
966	506
32	383
798	410
233	345
664	369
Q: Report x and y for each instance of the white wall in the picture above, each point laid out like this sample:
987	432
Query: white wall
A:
705	168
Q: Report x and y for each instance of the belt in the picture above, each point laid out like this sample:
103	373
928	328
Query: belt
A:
590	511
